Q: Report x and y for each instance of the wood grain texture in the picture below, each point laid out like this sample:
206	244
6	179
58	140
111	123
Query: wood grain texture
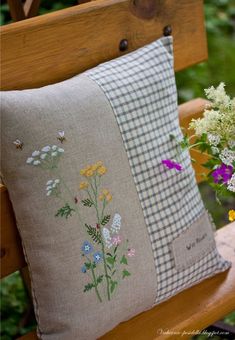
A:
56	46
192	309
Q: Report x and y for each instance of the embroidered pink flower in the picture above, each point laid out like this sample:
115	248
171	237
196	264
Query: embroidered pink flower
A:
131	252
116	240
172	164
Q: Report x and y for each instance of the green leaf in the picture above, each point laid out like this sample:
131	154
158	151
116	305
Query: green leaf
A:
87	202
105	219
65	211
94	233
123	260
88	287
99	279
125	273
110	260
113	285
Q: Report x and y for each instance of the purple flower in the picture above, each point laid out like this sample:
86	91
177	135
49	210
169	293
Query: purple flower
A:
97	257
87	247
172	164
223	173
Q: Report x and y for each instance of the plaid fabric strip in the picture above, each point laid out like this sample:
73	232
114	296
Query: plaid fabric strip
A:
141	89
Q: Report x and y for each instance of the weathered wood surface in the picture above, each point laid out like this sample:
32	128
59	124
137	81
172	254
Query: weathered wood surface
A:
56	46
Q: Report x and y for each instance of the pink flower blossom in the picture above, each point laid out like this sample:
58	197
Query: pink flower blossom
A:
116	240
131	252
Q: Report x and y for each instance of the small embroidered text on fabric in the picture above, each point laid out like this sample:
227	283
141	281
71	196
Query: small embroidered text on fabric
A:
196	242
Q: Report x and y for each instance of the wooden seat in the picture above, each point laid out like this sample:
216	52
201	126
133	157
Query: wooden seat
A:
56	46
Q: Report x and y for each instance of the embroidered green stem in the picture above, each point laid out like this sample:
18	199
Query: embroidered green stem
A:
94	280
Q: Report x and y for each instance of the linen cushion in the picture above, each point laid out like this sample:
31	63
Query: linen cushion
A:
107	230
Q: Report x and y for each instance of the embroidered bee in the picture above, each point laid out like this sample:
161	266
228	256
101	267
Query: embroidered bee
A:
18	144
116	225
61	137
107	237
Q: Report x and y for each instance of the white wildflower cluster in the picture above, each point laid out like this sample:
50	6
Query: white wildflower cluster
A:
47	156
227	156
231	183
218	119
52	187
218	96
213	139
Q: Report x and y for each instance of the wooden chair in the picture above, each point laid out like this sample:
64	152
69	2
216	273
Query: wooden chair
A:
53	47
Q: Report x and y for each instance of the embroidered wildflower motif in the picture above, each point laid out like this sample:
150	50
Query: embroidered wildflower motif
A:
107	252
131	252
222	174
18	144
52	187
97	257
87	248
61	137
172	164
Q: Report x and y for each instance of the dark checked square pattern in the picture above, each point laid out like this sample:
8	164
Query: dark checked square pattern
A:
141	90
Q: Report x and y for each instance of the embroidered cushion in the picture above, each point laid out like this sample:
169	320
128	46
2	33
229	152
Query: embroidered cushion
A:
108	231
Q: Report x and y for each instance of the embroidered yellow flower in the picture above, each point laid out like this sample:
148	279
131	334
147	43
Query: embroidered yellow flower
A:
105	195
96	165
101	170
89	173
231	215
83	185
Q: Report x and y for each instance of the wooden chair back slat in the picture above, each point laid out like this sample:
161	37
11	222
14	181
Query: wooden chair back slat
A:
56	46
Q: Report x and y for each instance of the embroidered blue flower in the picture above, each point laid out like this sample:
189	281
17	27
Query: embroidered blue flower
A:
87	247
97	257
83	269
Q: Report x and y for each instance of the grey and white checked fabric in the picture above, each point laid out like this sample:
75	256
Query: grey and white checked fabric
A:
141	90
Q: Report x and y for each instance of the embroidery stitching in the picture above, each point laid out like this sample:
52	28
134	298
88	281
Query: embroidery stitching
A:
106	255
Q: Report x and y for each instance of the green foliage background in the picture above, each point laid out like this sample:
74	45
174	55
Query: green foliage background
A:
220	25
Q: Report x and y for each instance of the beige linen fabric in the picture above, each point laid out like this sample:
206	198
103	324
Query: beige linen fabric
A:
53	244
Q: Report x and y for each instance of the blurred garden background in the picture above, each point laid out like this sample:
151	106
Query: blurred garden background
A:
16	313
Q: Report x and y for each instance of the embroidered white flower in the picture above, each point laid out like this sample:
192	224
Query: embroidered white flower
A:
231	183
227	156
36	153
52	187
107	237
213	139
48	157
46	148
30	160
116	225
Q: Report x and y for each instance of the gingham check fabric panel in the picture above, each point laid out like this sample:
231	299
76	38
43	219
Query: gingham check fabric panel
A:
141	90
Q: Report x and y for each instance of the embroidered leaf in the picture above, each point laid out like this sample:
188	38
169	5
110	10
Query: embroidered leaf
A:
115	249
111	260
113	285
88	265
99	279
113	272
88	287
105	219
87	202
109	254
125	273
123	260
94	233
65	211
